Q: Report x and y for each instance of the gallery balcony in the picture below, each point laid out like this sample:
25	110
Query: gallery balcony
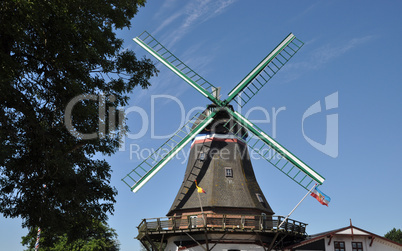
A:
220	222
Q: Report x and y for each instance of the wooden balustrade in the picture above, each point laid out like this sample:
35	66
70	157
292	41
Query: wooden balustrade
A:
220	222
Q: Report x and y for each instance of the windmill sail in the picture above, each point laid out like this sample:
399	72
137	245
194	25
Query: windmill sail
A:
150	166
274	153
259	141
265	70
150	44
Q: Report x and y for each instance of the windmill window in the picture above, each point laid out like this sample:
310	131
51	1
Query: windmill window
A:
228	172
357	246
202	156
339	245
259	197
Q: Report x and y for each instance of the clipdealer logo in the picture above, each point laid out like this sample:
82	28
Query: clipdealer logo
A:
102	118
330	147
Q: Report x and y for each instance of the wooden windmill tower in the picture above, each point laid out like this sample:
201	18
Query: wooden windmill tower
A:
233	214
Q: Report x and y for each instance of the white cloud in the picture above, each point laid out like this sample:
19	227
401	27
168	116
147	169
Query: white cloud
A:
305	12
223	6
190	15
328	52
321	56
167	22
167	5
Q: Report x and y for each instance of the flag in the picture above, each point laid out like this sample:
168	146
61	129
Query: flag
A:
200	190
320	196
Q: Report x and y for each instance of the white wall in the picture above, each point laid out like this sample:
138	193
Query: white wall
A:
219	247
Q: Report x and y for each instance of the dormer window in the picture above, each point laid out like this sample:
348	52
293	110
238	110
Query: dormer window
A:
259	197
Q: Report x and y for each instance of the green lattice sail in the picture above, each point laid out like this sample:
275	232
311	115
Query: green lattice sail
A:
273	152
249	86
159	158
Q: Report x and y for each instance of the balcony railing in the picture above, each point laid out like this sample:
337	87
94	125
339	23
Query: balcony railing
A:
220	222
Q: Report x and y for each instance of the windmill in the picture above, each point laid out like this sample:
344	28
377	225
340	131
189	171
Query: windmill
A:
234	211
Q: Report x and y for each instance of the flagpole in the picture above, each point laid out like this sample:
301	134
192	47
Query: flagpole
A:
202	211
40	219
37	240
199	198
296	206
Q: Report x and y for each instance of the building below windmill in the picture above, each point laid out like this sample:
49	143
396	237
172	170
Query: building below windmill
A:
349	238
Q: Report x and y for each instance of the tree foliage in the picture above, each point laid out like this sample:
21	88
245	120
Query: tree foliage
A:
99	237
50	53
394	235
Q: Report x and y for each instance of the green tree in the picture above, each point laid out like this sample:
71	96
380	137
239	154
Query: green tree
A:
99	237
50	53
394	235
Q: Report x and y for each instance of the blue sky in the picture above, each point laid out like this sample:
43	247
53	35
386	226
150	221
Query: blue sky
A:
352	52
